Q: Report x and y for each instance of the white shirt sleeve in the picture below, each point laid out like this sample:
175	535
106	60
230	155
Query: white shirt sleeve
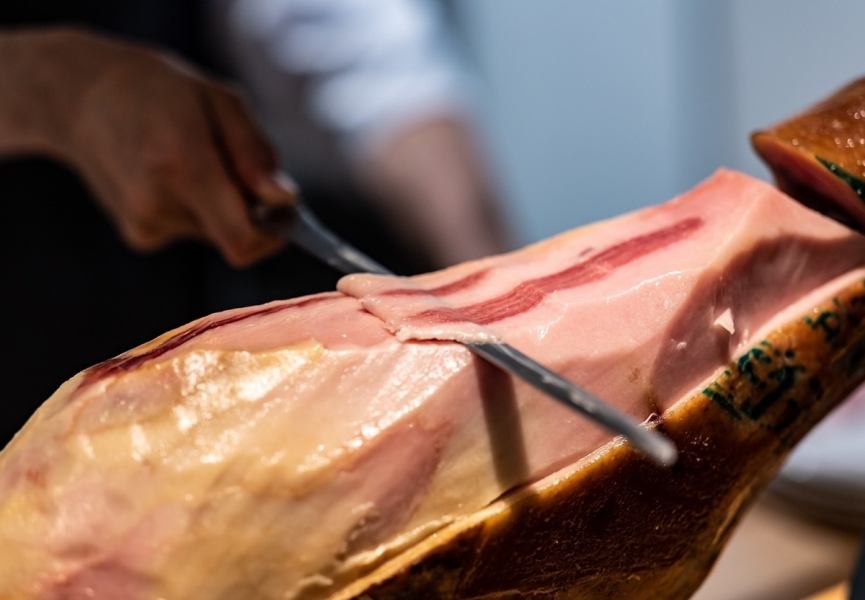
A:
359	70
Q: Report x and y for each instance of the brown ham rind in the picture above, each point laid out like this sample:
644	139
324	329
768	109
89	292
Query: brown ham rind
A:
613	525
818	156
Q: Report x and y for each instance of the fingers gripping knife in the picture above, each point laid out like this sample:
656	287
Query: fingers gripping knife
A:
299	226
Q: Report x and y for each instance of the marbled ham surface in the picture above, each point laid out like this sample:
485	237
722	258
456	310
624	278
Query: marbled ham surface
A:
278	451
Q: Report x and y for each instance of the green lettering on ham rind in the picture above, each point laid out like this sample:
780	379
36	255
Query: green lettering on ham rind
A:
828	321
771	373
847	177
784	377
745	364
773	385
723	400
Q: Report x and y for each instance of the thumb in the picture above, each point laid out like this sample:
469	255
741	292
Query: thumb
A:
277	189
249	156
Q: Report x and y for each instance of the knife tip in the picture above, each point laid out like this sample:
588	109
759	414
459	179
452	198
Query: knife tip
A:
661	450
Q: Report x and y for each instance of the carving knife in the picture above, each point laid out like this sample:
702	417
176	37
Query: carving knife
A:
298	225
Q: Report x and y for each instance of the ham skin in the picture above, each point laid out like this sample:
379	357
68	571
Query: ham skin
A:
342	445
818	156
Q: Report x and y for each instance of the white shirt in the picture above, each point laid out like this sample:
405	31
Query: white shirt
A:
331	79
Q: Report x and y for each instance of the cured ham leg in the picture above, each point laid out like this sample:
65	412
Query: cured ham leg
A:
818	156
342	444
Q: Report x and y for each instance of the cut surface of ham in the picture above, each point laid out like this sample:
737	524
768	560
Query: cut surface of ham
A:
281	451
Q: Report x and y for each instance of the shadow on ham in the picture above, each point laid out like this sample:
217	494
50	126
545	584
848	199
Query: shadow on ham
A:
504	427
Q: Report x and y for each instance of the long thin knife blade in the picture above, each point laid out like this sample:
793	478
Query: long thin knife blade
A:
298	225
657	447
311	235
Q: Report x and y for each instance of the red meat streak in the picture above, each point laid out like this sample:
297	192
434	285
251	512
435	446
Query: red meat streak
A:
126	362
520	299
529	294
442	290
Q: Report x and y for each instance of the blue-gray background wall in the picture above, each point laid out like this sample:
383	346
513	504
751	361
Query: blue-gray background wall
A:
595	108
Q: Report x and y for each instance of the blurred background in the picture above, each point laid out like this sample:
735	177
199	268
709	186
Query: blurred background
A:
595	108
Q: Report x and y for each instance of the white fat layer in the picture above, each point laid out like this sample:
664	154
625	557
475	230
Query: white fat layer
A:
725	321
463	333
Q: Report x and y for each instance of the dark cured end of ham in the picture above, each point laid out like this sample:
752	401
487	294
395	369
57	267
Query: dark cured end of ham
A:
818	156
529	294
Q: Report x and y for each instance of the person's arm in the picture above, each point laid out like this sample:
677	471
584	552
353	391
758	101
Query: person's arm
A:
435	185
379	77
168	153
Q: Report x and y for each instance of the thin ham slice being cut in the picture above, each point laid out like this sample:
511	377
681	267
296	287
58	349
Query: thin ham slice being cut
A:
342	444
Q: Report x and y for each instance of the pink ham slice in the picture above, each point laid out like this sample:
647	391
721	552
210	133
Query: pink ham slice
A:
281	451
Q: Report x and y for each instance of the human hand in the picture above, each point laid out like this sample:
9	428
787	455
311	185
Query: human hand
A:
168	153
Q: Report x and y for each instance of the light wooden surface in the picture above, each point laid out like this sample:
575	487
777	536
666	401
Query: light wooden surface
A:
776	554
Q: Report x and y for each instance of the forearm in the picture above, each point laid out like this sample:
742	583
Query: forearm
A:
40	85
435	186
24	92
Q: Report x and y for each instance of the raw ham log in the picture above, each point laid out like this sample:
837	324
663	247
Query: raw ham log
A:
341	445
819	156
